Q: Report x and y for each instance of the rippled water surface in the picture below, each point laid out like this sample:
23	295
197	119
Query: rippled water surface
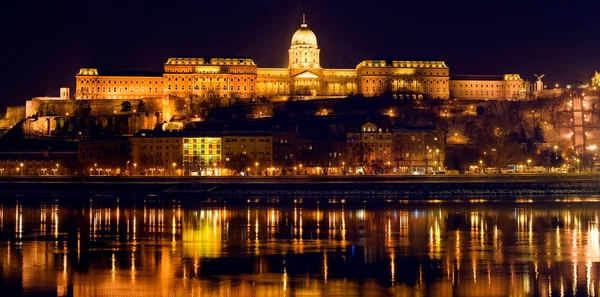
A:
106	248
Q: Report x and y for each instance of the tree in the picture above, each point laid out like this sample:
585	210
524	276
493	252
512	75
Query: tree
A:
538	134
142	107
377	166
125	106
83	108
238	162
496	137
554	109
213	101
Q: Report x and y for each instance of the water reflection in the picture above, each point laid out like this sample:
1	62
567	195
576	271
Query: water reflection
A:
100	249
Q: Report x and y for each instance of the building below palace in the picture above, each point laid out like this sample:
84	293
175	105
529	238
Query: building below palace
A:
240	78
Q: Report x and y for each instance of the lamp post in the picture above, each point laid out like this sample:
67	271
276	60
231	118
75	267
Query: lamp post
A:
174	166
555	152
57	169
295	170
134	168
343	168
388	167
300	169
256	164
21	168
528	163
481	166
437	152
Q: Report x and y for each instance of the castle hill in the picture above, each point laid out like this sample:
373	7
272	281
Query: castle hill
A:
319	148
227	117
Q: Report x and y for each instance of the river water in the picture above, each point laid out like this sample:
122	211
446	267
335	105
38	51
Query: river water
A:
103	247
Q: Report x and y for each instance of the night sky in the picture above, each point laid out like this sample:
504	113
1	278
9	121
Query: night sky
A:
46	42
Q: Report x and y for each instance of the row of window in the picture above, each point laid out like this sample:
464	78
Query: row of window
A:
210	79
104	81
247	140
202	140
202	152
218	88
159	147
202	146
200	70
151	154
393	73
373	144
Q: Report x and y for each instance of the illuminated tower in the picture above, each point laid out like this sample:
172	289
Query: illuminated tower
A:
304	52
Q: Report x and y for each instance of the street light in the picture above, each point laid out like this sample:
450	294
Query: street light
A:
528	163
437	152
174	166
21	168
481	166
57	171
256	164
134	168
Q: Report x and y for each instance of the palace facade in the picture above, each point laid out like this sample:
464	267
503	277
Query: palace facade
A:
239	77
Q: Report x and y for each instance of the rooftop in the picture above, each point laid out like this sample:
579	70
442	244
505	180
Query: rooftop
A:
477	77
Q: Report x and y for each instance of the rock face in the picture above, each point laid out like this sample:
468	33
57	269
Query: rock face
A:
13	115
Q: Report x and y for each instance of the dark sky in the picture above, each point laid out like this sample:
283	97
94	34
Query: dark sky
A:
46	42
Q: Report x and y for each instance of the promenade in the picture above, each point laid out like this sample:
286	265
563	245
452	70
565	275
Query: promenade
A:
382	185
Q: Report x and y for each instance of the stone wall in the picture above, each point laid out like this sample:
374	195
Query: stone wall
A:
98	107
107	125
13	115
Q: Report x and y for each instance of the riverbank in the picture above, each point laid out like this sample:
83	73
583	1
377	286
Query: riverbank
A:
337	186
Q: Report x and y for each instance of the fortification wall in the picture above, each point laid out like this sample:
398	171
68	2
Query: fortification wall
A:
13	115
91	125
98	107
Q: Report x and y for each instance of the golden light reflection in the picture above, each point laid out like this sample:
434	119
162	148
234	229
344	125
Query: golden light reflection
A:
532	266
325	267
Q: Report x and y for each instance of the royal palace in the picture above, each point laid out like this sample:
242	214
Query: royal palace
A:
239	77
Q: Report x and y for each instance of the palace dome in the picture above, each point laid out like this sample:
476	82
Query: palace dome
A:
304	36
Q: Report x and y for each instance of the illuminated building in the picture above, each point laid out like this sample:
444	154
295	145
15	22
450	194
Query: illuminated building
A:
492	87
407	149
239	78
104	153
202	154
369	144
420	149
257	146
198	153
155	151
